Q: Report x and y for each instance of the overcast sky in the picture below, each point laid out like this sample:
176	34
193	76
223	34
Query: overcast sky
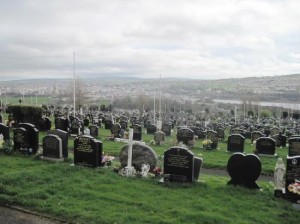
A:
188	38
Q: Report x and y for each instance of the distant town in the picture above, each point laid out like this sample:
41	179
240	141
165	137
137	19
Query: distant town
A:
121	91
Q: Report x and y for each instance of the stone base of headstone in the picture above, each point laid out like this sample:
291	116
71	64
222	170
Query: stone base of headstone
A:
279	193
296	206
267	155
52	159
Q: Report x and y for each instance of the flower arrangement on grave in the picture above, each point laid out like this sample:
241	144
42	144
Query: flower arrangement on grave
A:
157	171
206	144
106	159
294	187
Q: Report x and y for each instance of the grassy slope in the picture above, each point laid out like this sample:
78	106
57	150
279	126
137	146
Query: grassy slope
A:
101	196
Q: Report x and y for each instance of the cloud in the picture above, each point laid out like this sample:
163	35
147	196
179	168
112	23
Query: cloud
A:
193	39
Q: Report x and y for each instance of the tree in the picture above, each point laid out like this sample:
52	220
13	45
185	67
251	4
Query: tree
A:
80	93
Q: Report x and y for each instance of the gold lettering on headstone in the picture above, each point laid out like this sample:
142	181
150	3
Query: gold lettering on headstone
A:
84	145
178	161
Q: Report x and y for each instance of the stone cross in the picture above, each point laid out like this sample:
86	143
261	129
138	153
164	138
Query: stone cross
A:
129	169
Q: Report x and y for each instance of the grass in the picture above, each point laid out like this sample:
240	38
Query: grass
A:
86	195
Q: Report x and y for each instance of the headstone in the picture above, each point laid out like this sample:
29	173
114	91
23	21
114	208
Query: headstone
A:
64	136
41	124
87	151
33	137
244	170
237	131
62	123
294	147
221	133
235	143
275	131
47	124
292	185
124	124
159	137
178	165
75	127
115	130
212	135
21	139
4	130
94	131
86	122
141	154
256	135
265	146
185	135
108	124
166	128
137	132
200	133
280	140
151	129
52	148
197	167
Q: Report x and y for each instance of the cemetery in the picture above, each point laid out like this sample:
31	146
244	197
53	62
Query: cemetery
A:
118	167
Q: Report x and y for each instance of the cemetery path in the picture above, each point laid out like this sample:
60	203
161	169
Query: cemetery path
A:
15	215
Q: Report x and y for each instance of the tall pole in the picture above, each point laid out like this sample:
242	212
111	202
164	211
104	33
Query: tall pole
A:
154	107
159	115
74	83
234	114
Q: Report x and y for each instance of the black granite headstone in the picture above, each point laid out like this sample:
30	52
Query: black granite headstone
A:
86	122
62	123
221	133
293	179
166	128
64	136
124	124
280	140
94	131
4	130
256	135
294	146
52	146
179	165
20	139
151	129
137	132
185	135
197	167
200	133
33	137
212	135
244	170
87	151
47	124
235	143
108	124
115	130
265	146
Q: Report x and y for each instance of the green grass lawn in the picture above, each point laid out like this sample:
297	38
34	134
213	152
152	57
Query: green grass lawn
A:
85	195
